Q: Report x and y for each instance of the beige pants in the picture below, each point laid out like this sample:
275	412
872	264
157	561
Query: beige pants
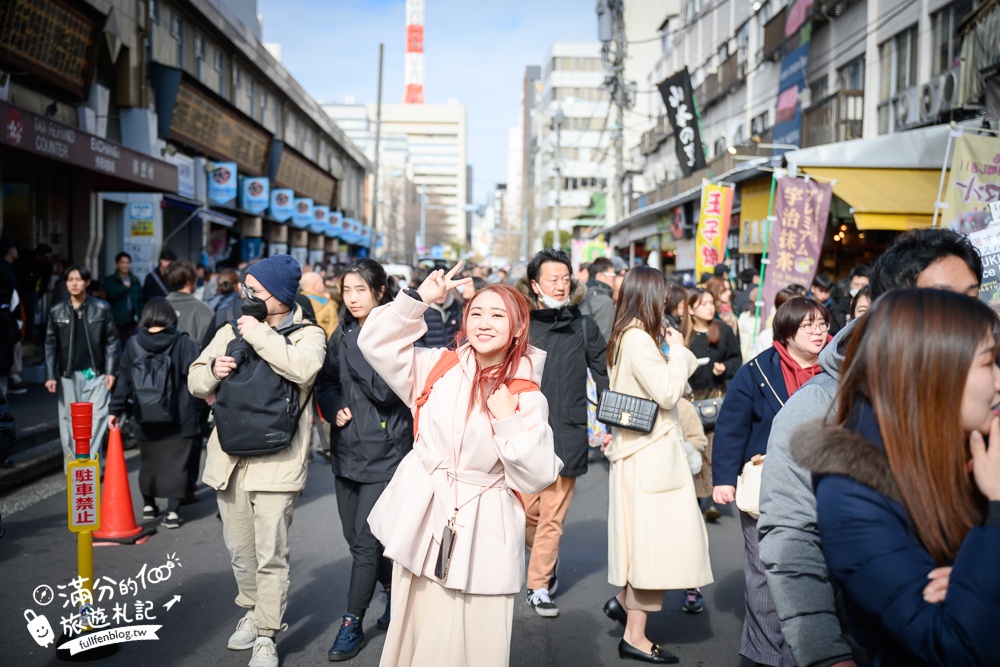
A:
255	527
544	515
434	626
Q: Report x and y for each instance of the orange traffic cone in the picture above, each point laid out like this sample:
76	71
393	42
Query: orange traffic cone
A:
117	517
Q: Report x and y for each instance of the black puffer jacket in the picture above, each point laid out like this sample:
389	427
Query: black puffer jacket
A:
363	450
571	348
183	352
443	322
102	338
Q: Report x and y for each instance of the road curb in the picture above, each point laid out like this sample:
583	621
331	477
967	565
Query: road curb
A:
31	464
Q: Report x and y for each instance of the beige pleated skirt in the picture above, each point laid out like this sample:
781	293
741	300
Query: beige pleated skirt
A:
434	626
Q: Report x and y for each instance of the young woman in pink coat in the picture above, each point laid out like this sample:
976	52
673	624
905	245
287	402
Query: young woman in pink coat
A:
482	435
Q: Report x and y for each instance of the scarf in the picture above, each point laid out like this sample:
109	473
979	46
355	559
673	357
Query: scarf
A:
794	375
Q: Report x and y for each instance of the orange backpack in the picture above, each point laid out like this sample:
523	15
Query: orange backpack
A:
448	361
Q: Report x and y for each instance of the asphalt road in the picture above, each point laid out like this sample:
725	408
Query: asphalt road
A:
38	550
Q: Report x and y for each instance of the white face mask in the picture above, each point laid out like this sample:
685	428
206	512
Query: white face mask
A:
549	302
854	292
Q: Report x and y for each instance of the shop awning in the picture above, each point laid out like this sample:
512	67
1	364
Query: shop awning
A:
596	211
886	199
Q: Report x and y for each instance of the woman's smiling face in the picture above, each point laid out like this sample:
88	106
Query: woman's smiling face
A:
488	328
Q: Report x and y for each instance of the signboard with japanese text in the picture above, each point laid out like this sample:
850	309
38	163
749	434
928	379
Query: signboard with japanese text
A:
282	204
713	227
679	100
38	135
295	171
987	242
202	122
83	493
255	193
974	183
754	200
140	219
54	40
801	210
222	183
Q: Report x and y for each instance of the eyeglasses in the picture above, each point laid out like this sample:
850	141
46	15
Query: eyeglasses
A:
252	293
815	327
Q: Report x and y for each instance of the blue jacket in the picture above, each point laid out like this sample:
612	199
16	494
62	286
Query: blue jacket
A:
754	397
874	554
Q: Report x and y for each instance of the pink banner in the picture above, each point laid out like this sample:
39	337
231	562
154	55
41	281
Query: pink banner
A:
801	209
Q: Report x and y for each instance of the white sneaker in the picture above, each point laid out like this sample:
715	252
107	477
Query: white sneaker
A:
543	604
265	654
245	635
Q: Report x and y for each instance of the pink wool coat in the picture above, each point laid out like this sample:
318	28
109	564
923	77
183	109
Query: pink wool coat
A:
466	461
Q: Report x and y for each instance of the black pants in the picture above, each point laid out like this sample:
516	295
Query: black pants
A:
355	501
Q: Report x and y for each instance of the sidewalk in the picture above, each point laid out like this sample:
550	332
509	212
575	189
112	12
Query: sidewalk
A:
38	450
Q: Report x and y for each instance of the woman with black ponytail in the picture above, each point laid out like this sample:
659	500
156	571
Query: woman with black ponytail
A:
372	430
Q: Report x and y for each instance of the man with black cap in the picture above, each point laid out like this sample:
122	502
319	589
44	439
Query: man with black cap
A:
256	493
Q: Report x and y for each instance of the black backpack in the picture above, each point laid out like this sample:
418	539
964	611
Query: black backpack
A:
154	390
256	410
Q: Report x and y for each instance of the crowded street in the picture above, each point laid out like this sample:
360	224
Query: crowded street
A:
38	550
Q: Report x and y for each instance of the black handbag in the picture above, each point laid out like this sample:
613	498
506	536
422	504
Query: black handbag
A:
708	411
620	410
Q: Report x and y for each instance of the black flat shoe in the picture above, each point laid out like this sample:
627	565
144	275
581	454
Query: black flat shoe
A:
615	611
658	656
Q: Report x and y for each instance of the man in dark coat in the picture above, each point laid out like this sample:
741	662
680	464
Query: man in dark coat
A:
572	343
125	296
155	284
443	319
599	304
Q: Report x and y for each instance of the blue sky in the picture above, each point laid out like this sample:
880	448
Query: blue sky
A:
475	51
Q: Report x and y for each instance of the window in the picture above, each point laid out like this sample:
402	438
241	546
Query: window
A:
154	10
199	54
720	146
250	92
177	32
852	75
236	77
947	40
818	90
263	105
220	68
898	63
665	39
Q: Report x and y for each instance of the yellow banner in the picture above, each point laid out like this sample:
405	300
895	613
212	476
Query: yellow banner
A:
713	227
973	184
754	199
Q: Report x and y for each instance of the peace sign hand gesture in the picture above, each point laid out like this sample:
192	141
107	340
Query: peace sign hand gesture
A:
437	284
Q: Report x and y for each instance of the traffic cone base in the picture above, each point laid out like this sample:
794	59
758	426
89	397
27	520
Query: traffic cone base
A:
117	515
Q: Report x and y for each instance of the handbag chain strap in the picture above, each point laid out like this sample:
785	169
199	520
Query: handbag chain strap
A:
618	352
776	397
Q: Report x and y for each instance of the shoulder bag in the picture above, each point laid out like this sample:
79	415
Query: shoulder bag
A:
620	410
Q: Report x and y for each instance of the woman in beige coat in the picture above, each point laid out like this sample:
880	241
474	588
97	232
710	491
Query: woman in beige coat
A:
478	442
656	536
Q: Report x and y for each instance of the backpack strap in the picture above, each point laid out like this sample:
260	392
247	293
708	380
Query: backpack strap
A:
445	363
520	386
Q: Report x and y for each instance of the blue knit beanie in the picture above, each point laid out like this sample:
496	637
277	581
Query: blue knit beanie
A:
279	275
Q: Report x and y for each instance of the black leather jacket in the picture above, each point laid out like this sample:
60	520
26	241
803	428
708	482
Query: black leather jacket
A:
99	330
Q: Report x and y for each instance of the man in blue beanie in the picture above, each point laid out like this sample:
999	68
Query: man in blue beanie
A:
257	492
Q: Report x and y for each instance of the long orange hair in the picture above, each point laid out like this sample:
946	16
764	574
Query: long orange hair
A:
488	380
910	357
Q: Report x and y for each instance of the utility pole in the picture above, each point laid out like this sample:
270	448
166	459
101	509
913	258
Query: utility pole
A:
378	138
422	245
558	122
611	31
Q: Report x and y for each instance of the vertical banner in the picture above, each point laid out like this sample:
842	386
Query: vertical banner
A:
254	194
679	100
321	216
282	204
802	210
303	215
755	196
791	82
222	183
975	183
713	227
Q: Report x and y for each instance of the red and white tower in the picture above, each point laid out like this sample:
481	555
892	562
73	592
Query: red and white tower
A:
414	52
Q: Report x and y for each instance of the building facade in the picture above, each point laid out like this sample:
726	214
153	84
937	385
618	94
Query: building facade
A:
142	123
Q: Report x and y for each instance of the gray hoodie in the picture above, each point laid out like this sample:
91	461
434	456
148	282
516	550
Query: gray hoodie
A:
790	548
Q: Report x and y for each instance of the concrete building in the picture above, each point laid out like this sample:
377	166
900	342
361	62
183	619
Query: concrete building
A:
436	138
572	140
866	70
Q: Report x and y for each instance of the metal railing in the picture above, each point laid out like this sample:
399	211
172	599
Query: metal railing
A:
836	117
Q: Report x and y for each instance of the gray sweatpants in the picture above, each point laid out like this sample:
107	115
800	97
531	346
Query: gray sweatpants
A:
76	388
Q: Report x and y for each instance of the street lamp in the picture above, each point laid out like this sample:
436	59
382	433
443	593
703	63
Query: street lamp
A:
558	118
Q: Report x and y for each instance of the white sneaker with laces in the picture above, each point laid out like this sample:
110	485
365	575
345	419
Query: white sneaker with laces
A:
542	603
265	654
245	635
